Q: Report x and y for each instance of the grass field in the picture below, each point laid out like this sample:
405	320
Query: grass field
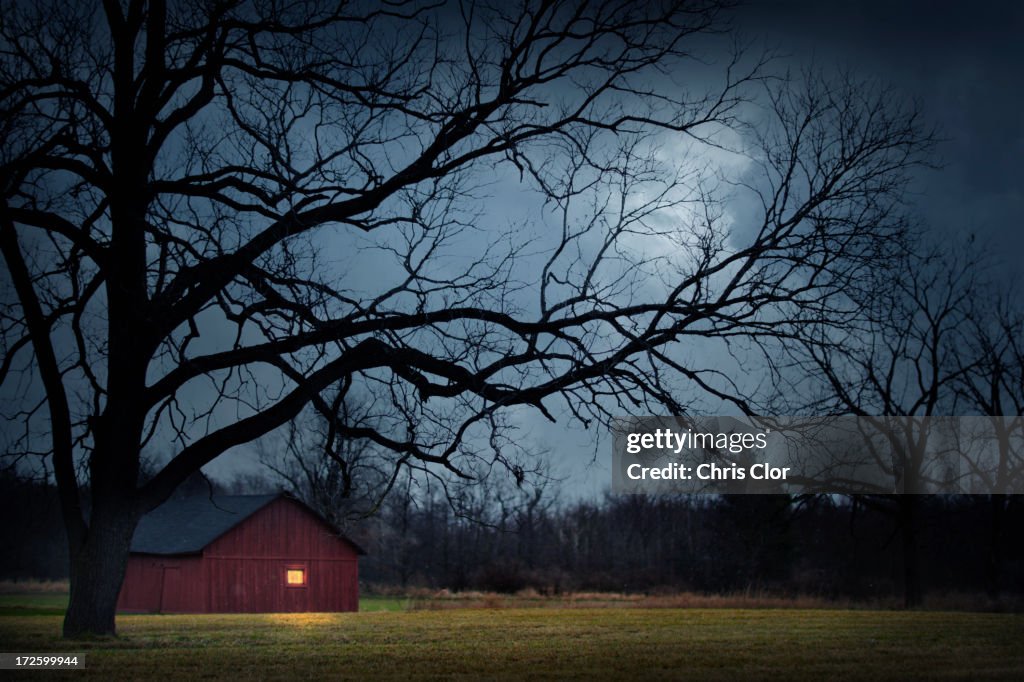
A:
580	643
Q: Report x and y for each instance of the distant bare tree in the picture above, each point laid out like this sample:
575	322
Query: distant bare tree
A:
897	369
347	478
217	213
342	478
991	383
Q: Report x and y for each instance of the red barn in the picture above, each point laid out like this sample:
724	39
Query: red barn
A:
239	554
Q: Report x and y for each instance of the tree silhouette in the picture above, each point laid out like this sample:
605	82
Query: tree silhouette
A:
928	347
217	213
992	384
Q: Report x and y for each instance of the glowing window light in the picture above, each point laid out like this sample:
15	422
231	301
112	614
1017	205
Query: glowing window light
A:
295	577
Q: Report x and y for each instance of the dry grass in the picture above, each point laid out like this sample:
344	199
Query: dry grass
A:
443	600
421	599
582	644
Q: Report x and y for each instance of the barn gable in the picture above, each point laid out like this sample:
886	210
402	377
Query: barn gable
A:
307	535
187	525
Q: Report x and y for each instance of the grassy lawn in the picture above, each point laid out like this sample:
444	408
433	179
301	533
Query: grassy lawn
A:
624	643
367	604
33	604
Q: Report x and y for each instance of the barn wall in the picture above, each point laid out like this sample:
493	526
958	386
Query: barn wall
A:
281	529
257	586
163	584
245	567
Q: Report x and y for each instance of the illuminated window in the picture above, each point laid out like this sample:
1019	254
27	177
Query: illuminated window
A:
295	576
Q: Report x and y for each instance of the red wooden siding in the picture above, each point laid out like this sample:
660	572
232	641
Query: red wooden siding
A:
157	584
257	586
281	529
243	571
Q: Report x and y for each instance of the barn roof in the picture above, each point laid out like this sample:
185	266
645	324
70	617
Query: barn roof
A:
186	525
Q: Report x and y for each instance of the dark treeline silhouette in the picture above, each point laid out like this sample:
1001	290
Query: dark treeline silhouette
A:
32	539
500	538
832	547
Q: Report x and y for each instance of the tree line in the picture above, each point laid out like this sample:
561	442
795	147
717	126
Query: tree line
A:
505	538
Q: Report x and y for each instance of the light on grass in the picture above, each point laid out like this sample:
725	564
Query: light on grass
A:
299	621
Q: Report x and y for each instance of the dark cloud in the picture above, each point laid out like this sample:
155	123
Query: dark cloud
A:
962	62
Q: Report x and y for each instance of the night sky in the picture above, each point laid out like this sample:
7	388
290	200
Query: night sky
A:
962	62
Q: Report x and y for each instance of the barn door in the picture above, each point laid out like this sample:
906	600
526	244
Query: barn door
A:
172	599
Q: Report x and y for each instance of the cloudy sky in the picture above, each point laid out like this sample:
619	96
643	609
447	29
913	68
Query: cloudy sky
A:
963	67
963	62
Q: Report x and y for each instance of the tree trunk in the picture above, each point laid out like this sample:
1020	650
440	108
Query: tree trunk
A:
912	591
97	572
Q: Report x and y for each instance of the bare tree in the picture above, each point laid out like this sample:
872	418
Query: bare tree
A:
347	478
342	478
199	200
991	383
897	370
